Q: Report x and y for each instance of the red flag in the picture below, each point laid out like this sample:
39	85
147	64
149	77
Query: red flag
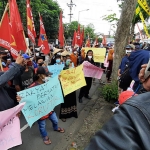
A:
74	39
88	42
78	36
16	26
104	41
61	31
5	35
30	23
82	37
43	42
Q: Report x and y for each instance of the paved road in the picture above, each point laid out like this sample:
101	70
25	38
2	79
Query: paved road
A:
31	137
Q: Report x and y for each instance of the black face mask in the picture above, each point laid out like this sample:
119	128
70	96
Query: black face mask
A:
4	58
40	64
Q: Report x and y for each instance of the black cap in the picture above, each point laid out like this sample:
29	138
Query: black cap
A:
41	70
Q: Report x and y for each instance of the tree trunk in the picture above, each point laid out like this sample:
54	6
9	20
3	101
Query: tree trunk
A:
122	33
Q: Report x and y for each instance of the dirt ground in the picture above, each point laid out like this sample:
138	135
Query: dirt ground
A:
99	114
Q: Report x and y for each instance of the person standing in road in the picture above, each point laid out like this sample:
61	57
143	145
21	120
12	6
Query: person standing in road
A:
84	91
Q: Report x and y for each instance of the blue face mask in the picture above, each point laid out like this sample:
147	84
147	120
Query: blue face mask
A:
57	60
68	62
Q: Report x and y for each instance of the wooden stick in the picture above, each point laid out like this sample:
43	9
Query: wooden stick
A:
6	8
26	43
1	65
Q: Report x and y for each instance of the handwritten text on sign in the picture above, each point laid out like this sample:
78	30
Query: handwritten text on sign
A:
40	100
91	70
10	128
72	79
99	54
55	69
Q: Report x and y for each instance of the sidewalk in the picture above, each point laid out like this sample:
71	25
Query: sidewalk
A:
95	113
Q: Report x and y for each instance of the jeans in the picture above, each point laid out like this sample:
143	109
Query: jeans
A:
42	124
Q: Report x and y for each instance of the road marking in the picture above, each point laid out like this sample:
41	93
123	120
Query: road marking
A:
24	127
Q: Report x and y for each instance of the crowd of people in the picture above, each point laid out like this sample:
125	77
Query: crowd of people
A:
30	70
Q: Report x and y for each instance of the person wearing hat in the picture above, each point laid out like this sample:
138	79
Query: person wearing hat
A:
23	81
40	78
56	52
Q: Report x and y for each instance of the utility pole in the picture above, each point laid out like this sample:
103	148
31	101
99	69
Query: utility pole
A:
70	6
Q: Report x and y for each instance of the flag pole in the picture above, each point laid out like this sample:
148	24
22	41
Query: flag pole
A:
6	8
26	43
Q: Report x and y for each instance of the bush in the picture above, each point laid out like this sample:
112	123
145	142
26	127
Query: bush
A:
110	91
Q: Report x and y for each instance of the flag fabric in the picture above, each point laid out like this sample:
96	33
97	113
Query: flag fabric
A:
104	41
144	5
88	42
30	23
6	36
74	41
95	42
78	36
43	42
82	37
17	33
61	31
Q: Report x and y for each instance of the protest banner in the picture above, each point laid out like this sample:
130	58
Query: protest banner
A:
41	100
72	79
106	63
55	69
10	128
91	70
99	53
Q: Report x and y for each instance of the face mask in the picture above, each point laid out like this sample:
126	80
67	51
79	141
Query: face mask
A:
37	54
90	57
46	79
57	60
67	63
40	64
75	52
68	60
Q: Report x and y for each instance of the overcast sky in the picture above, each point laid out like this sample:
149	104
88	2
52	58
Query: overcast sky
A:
97	9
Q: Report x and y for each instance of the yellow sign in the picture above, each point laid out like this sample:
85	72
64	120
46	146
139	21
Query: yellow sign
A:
99	53
144	24
144	5
72	79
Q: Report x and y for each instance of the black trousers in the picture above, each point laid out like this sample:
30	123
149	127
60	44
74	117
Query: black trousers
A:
84	91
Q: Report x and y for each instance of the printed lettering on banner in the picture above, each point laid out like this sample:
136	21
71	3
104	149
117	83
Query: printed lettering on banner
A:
99	53
10	128
91	70
55	69
72	79
41	100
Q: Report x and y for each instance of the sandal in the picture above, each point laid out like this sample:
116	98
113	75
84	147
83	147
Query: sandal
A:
64	120
46	140
61	130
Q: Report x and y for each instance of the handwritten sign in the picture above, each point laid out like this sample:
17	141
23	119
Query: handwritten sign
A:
10	128
91	70
41	100
99	53
72	79
55	69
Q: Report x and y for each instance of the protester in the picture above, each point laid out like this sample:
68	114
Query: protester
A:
84	91
74	57
125	82
68	109
6	101
56	52
110	60
40	79
58	60
23	81
132	120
